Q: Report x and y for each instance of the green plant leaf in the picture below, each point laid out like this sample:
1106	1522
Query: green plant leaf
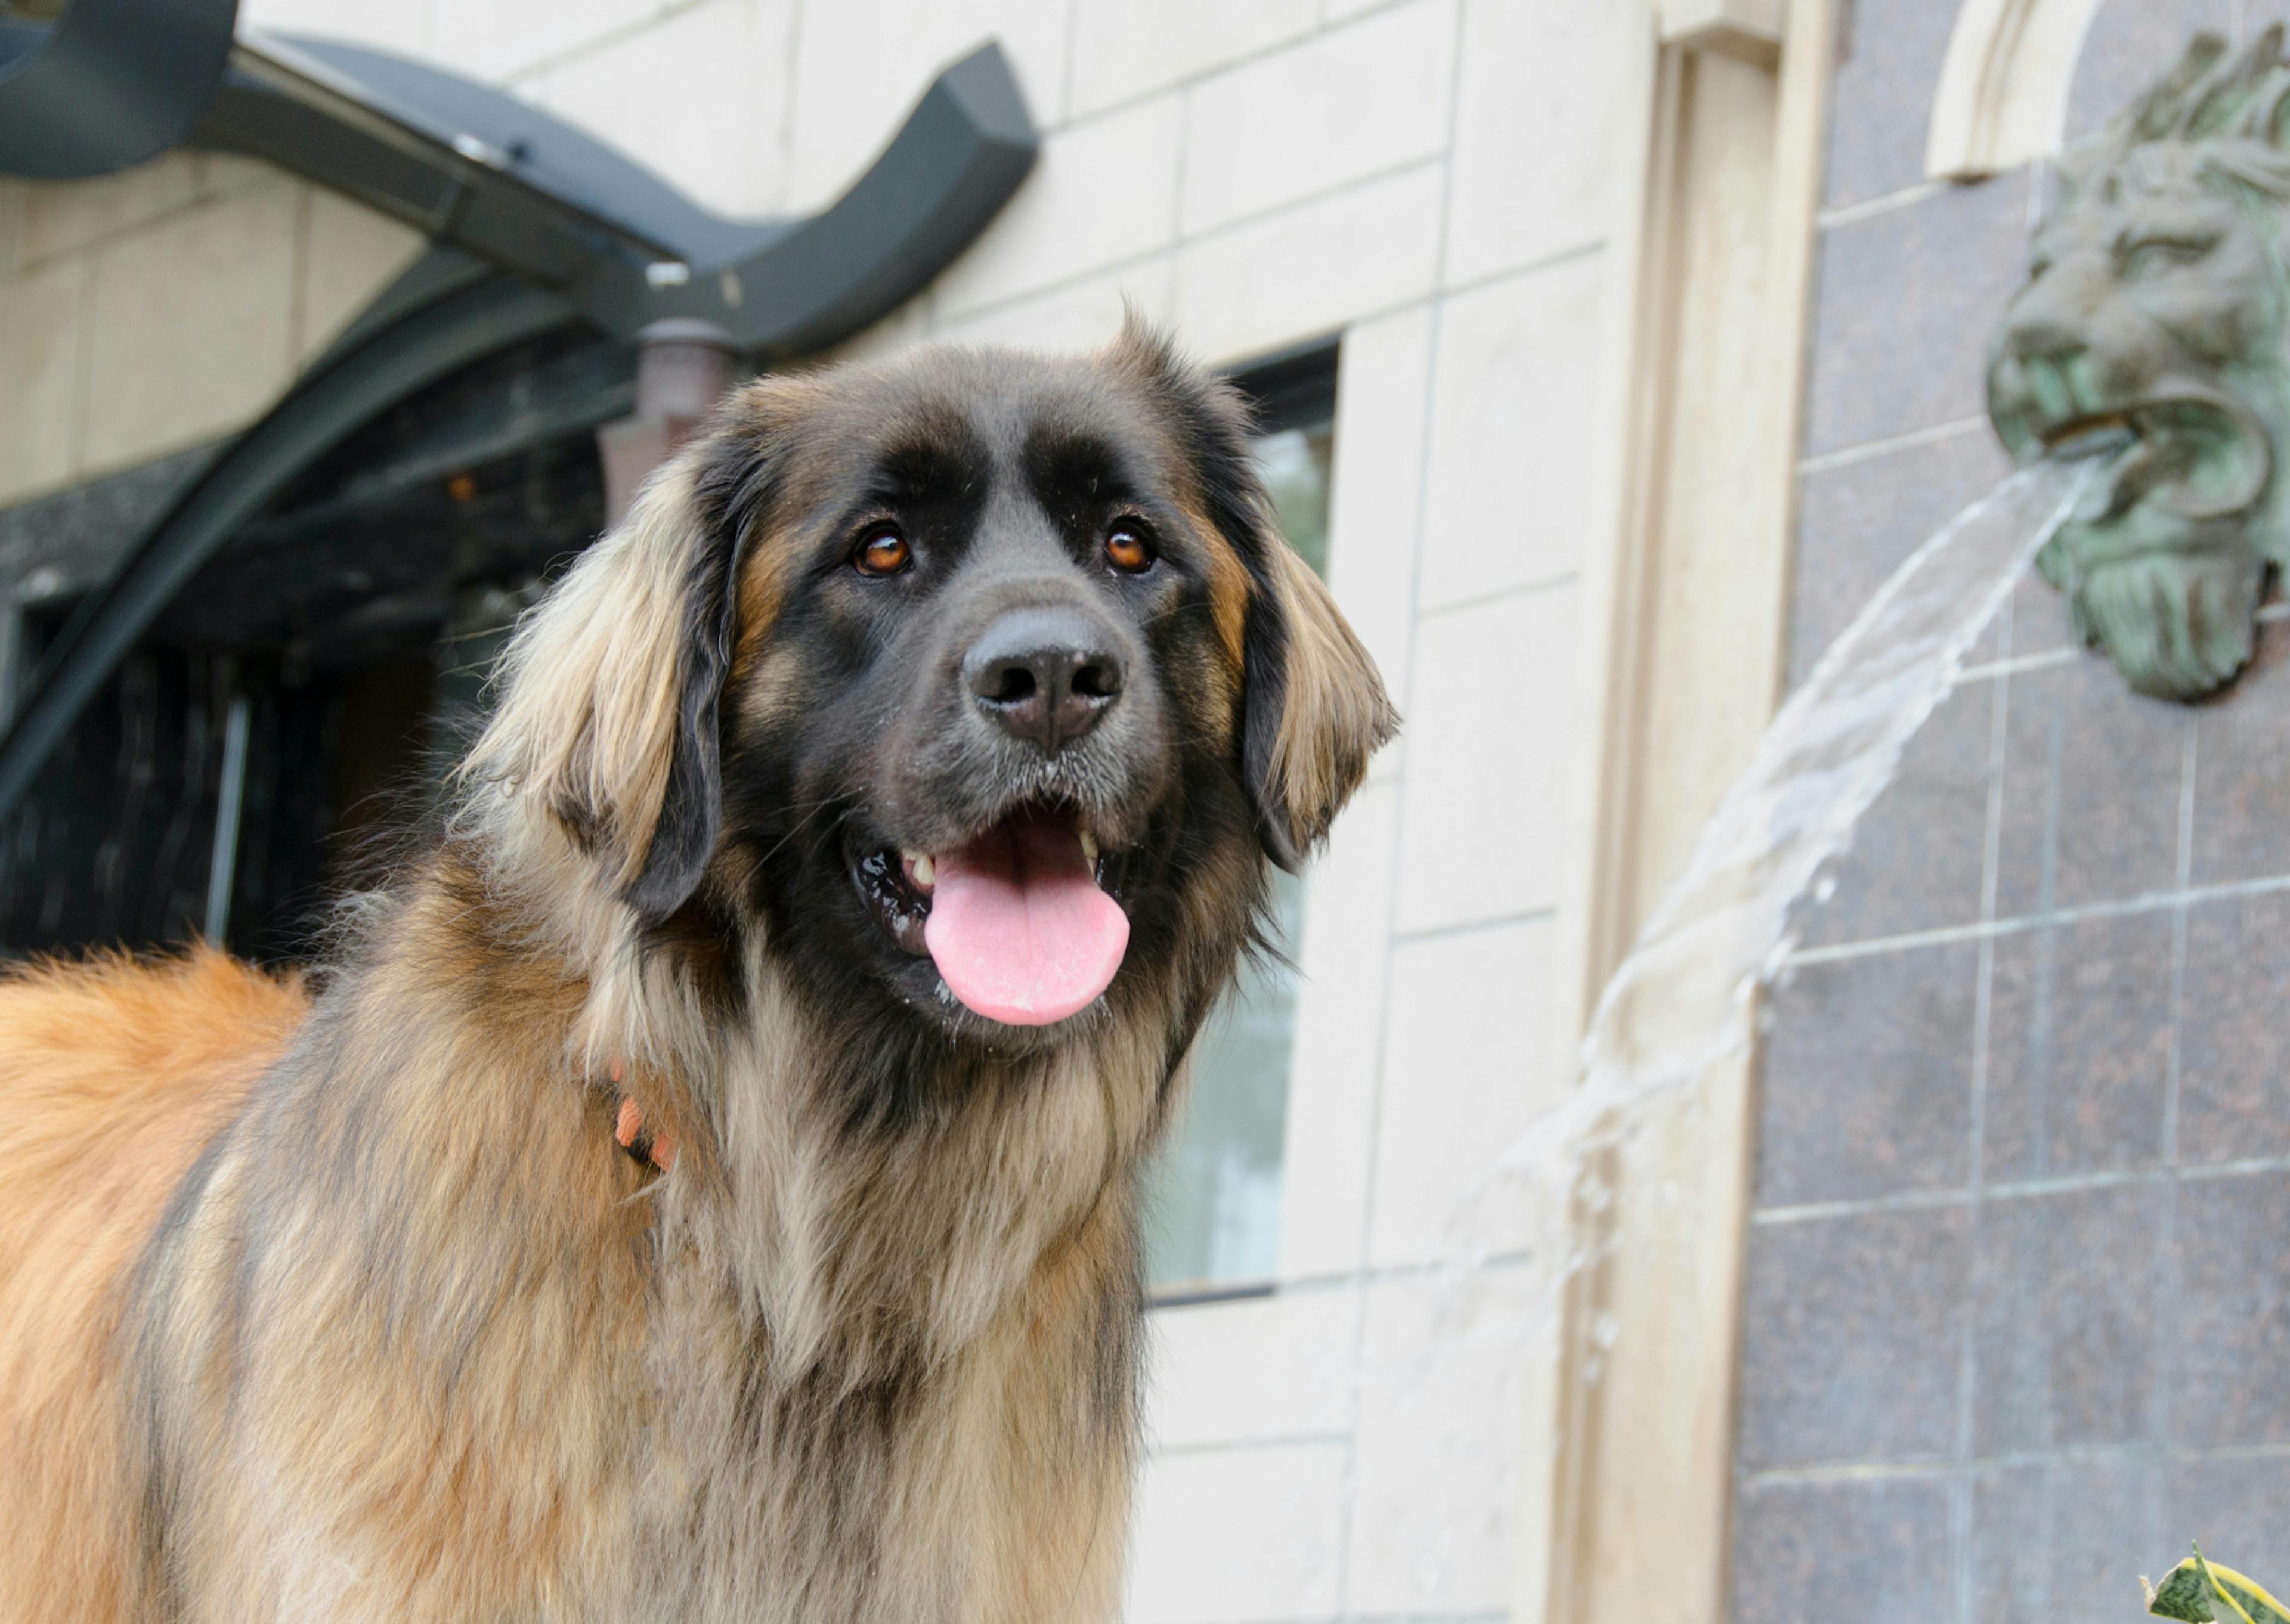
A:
2194	1591
2184	1594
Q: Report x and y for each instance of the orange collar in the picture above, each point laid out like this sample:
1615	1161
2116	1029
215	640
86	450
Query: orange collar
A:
629	1129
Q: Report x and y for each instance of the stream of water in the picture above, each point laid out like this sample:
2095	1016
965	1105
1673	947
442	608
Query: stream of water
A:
1685	998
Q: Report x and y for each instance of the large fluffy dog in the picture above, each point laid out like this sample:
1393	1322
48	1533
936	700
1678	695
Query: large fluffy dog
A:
875	813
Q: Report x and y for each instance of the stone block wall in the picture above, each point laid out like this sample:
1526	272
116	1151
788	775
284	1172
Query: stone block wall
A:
2018	1294
166	306
1431	180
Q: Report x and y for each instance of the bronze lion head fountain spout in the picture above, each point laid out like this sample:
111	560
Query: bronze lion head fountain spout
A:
2158	300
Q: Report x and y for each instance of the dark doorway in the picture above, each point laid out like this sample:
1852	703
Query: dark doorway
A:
282	733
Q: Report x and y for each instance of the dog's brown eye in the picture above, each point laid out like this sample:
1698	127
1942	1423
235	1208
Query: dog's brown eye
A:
1126	549
884	552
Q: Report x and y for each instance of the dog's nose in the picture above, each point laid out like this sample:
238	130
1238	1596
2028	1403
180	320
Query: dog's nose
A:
1044	676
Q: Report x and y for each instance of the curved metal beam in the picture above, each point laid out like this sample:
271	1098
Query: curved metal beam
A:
109	83
466	134
348	119
952	165
429	344
480	171
794	289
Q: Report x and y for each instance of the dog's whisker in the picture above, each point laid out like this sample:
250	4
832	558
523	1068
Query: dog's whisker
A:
800	824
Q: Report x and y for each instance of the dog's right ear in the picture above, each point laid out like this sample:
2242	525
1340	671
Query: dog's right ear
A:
1314	710
1313	707
607	722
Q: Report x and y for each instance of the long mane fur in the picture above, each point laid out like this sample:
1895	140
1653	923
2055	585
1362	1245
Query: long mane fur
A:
350	1309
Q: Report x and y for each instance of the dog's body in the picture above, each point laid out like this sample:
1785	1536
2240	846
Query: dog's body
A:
352	1309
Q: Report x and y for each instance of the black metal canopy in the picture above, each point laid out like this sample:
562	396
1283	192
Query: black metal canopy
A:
538	228
109	83
482	172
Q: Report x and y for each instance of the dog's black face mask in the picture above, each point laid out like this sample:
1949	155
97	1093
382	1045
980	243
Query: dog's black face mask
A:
999	695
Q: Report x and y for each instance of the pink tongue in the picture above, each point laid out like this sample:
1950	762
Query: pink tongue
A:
1019	928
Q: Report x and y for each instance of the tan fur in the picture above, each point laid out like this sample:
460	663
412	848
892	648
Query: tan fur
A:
353	1311
117	1073
1333	715
1228	592
513	1403
758	409
594	726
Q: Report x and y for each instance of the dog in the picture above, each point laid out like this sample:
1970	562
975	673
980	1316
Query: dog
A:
705	1185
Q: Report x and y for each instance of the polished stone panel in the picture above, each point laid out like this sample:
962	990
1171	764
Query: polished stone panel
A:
1889	55
61	217
1905	303
2041	623
1536	158
2242	770
1850	1330
2230	1313
2064	1539
1122	52
2091	789
1868	1077
350	255
1432	1531
1302	273
2234	1090
1297	115
1056	229
1514	362
1250	1533
702	94
2065	1353
1459	765
1875	1552
2232	1506
1440	1022
41	318
190	325
2079	1047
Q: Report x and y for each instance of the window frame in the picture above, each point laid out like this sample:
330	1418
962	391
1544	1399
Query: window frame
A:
1290	388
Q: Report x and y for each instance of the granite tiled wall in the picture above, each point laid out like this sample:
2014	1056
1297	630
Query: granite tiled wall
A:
2018	1296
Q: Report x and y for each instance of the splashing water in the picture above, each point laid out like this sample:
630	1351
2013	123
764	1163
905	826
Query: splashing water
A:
1683	999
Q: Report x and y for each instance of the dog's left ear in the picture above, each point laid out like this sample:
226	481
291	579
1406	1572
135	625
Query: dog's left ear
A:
690	816
607	721
1313	708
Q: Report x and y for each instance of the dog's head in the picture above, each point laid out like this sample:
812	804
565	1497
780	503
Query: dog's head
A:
978	685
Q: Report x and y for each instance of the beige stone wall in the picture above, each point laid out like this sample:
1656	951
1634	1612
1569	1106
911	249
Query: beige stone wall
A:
1445	184
166	306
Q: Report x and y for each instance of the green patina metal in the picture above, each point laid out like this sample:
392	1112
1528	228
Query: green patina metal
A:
2159	299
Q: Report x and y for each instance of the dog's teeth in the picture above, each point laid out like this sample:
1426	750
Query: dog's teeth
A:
921	869
1088	846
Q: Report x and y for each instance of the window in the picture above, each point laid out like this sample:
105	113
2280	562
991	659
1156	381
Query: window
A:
1214	1213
